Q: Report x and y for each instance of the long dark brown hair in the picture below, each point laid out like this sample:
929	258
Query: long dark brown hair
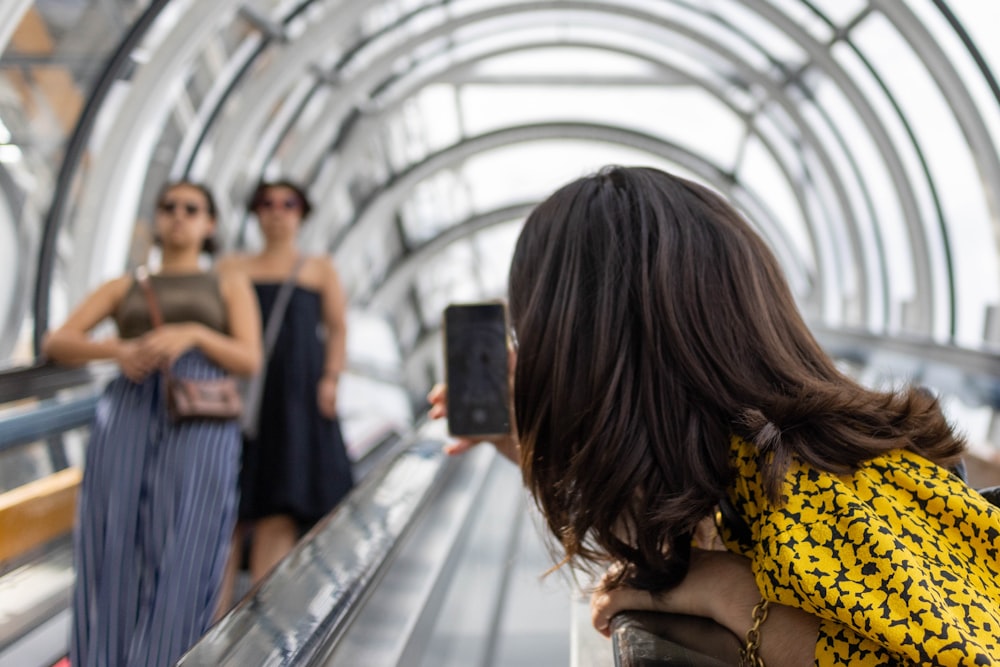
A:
653	325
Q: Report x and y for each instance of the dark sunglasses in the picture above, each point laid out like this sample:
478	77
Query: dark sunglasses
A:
289	203
188	208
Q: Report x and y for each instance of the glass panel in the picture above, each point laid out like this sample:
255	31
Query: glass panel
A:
53	58
952	173
979	20
877	180
24	464
496	248
532	170
800	13
762	35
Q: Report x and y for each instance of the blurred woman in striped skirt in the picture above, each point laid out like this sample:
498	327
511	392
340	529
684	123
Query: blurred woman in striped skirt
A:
159	497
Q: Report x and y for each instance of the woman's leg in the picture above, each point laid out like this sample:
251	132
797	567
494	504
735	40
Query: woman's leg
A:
273	537
107	591
188	520
228	588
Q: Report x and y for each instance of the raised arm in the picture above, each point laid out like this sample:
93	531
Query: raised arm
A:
71	343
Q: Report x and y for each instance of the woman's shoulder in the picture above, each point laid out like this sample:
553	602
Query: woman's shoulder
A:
234	262
319	263
116	288
317	271
230	278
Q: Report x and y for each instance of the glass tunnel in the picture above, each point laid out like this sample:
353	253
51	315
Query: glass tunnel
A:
860	138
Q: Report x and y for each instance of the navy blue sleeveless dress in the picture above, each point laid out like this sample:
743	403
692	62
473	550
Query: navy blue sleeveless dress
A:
297	464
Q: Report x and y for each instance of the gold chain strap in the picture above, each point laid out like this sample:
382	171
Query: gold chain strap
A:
748	654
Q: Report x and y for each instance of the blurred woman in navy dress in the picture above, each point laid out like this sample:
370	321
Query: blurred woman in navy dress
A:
295	467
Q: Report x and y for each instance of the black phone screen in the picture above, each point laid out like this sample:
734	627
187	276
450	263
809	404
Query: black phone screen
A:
476	369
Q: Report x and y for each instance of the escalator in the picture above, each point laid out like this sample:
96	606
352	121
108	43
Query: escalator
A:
437	560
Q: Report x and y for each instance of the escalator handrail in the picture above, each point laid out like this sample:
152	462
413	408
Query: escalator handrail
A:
46	420
346	553
41	380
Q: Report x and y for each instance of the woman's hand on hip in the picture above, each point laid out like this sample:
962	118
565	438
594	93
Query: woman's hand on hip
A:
326	396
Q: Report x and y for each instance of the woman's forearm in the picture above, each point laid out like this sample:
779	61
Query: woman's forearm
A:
236	356
787	635
336	351
75	349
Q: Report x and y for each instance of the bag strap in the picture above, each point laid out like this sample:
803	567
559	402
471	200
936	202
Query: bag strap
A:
255	387
277	313
155	314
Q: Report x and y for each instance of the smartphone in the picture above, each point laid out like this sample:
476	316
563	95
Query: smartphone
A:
476	358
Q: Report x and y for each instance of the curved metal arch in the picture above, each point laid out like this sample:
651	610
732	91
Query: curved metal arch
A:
224	86
701	83
346	100
862	265
237	67
964	110
984	150
75	149
413	84
349	243
263	91
113	185
384	296
919	242
830	172
448	28
560	3
331	120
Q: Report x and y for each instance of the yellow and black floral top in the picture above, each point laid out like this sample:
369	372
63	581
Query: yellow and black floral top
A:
899	559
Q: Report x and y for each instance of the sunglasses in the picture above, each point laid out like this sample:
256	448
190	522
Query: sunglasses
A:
289	203
189	209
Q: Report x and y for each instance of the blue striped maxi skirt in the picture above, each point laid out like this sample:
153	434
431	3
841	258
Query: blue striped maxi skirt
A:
155	518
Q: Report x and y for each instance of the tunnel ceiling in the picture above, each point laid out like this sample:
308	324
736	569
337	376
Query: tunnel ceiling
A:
859	136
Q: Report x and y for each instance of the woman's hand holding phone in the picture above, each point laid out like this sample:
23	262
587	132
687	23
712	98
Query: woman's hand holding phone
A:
506	444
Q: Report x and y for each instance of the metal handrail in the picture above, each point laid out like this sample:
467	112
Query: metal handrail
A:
973	374
330	571
642	639
46	414
40	380
49	419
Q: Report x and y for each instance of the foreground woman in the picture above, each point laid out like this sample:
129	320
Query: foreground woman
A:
664	377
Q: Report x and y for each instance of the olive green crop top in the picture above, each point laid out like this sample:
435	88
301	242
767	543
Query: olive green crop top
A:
189	297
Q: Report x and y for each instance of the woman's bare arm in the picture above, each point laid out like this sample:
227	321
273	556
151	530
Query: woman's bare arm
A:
719	585
71	343
334	303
